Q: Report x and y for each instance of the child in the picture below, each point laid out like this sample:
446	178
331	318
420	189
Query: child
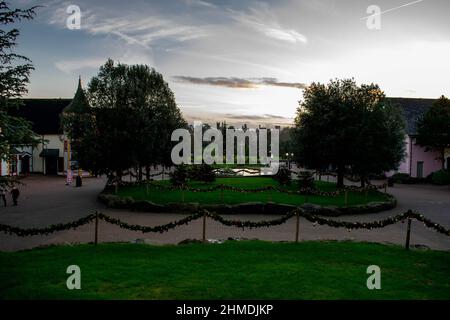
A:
3	196
15	195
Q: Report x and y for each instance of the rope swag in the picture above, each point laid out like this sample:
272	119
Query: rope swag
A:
146	229
22	232
308	215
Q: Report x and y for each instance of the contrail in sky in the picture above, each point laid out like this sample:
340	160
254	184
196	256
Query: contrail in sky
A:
392	9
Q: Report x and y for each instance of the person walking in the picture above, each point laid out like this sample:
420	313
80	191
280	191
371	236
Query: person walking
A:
3	195
15	195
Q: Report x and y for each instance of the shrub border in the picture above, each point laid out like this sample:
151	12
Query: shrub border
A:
115	201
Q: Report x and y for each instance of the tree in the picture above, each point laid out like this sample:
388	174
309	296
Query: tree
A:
132	115
434	127
15	71
350	127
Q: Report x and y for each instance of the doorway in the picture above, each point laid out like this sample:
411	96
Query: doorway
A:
419	169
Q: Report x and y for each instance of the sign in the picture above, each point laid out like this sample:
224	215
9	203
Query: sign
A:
69	177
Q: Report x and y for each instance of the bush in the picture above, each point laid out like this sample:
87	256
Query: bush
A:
179	176
283	176
441	177
305	180
400	177
202	172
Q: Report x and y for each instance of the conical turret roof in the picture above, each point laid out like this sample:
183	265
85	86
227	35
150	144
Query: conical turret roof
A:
79	102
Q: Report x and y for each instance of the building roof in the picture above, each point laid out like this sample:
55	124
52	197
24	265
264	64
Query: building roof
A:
413	109
44	114
79	103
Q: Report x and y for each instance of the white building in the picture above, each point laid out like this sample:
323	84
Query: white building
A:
51	155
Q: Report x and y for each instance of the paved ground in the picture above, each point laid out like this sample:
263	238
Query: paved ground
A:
46	200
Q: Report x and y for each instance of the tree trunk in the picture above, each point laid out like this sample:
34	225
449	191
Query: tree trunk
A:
443	158
363	181
147	172
140	173
340	176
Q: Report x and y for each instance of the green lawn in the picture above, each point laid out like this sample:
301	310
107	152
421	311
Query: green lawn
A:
233	270
162	196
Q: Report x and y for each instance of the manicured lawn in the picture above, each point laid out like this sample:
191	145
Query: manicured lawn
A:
233	270
163	196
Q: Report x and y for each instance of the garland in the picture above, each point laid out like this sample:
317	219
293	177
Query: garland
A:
302	191
310	216
21	232
146	229
249	224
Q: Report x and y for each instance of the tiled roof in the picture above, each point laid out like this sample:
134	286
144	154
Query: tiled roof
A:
44	114
413	109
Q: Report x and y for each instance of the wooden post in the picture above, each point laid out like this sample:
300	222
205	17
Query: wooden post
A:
96	228
297	228
346	198
408	234
204	228
385	188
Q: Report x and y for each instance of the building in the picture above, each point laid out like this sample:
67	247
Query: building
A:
52	155
418	163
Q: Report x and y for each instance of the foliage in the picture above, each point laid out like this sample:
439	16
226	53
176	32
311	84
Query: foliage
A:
441	177
15	71
179	176
305	179
133	114
345	125
283	176
202	172
434	127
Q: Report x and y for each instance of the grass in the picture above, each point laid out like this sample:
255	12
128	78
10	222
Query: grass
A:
229	197
232	270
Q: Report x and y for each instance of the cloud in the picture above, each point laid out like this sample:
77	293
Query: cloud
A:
134	28
262	20
239	83
252	120
200	3
69	66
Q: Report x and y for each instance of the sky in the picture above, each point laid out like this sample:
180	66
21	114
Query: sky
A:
240	60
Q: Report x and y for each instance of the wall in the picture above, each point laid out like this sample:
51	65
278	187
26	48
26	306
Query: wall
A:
53	142
431	161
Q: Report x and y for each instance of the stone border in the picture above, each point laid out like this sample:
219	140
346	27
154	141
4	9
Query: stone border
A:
115	201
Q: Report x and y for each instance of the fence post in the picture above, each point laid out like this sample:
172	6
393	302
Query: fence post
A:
297	227
96	228
408	234
204	227
385	188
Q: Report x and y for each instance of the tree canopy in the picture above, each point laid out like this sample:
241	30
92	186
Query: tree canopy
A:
348	127
434	127
15	71
132	115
